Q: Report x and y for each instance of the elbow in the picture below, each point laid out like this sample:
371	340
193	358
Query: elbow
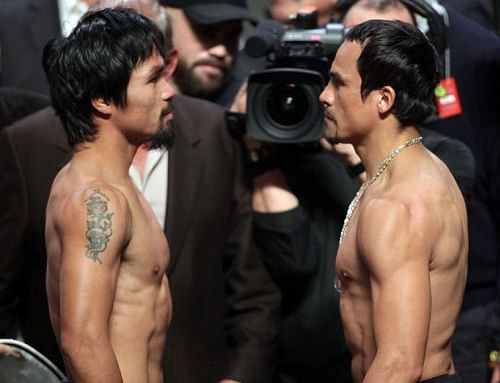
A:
396	369
408	370
77	345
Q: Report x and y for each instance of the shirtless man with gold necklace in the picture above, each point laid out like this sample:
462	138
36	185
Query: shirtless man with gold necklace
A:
401	263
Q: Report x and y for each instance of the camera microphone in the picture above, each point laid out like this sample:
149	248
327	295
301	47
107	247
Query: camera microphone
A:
266	35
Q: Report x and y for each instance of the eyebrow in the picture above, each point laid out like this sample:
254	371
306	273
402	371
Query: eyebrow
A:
336	78
156	72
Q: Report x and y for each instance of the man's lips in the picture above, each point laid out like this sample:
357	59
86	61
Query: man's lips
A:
212	67
167	113
330	118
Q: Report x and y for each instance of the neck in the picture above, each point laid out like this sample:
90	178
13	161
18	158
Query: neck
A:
375	148
109	155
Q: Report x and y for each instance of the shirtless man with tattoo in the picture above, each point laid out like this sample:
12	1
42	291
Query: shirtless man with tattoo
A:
109	297
402	260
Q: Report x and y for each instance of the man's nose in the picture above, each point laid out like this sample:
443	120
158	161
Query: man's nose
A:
219	50
167	91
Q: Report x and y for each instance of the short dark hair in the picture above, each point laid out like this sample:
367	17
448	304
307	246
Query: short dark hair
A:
96	60
397	54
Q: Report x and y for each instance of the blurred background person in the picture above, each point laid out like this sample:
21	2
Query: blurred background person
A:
16	103
25	27
207	36
281	10
484	12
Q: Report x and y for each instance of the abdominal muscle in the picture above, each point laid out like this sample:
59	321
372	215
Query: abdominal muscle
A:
356	317
138	324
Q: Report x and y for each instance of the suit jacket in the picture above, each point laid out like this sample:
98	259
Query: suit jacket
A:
25	27
481	11
16	103
225	304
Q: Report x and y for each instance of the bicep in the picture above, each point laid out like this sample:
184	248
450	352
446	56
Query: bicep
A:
394	248
92	240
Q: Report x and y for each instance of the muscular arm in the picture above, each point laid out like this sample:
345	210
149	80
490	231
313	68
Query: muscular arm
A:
392	240
93	231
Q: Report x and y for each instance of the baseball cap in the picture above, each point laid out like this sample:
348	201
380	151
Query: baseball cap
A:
213	11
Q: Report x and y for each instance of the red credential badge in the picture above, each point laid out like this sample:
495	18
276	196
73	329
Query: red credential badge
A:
447	98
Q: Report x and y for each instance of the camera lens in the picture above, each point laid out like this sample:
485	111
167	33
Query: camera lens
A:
287	104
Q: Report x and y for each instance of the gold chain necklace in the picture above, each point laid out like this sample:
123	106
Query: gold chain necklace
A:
385	163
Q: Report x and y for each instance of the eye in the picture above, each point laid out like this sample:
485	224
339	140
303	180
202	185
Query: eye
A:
336	81
157	75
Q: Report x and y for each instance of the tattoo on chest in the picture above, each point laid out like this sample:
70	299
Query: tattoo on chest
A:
98	225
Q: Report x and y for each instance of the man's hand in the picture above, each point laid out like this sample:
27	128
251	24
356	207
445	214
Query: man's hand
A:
229	381
240	100
10	352
345	152
495	377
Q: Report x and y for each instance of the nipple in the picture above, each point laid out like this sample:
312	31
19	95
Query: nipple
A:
156	269
338	285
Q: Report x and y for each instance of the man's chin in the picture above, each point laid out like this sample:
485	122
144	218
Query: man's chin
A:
197	83
210	74
162	139
209	85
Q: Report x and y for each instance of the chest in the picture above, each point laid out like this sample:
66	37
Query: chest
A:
148	249
349	268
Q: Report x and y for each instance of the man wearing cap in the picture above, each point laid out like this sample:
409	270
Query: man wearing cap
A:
206	35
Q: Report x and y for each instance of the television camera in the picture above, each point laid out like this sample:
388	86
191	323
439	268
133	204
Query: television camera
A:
282	100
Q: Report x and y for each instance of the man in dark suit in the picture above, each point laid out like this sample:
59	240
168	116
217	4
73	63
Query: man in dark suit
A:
225	304
484	12
25	28
16	103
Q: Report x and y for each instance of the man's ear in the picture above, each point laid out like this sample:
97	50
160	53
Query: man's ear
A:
102	106
171	61
386	99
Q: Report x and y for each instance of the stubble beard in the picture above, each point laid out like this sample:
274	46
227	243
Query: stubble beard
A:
190	85
163	139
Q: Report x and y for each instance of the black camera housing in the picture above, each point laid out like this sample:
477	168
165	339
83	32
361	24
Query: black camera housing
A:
283	106
283	101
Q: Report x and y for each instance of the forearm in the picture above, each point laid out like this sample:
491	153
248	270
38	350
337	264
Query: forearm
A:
91	363
272	193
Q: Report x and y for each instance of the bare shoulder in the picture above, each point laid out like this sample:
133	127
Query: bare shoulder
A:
386	213
392	227
96	216
94	199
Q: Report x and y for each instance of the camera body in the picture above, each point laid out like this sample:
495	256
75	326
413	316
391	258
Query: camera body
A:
283	100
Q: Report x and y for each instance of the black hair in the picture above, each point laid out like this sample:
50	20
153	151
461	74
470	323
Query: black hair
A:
397	54
96	61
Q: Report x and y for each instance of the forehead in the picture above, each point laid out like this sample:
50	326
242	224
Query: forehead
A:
150	64
346	59
298	3
358	14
